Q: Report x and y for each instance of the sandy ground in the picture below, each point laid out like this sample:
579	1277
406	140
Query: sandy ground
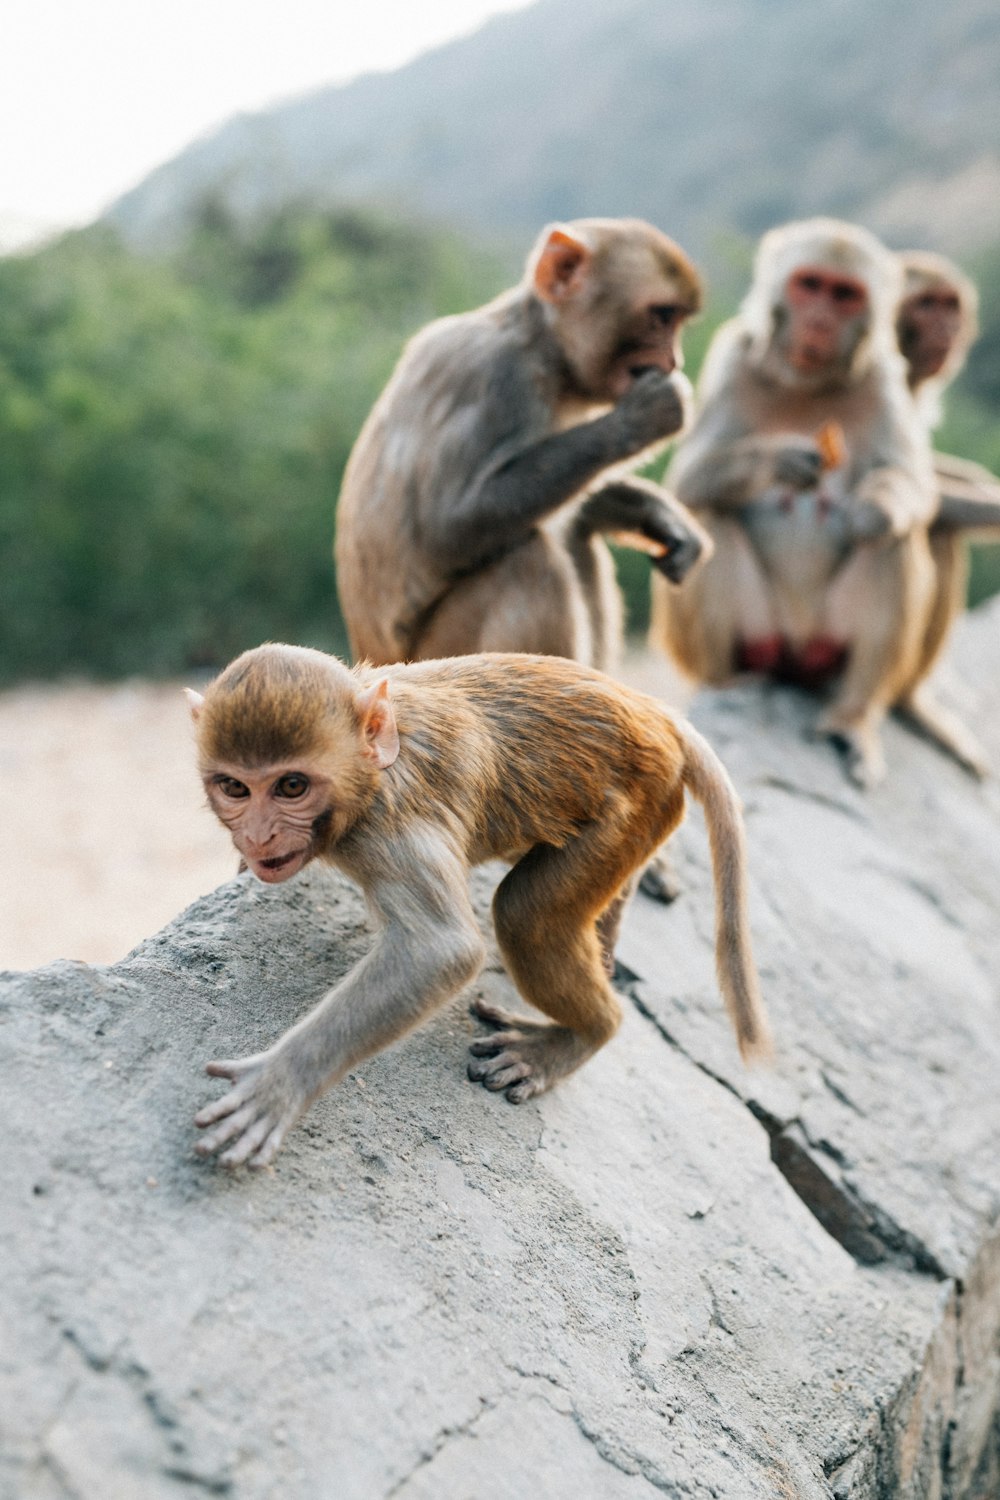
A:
106	833
107	836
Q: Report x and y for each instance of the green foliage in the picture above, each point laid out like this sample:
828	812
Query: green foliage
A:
173	435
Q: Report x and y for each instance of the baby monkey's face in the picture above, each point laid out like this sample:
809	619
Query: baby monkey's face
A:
276	815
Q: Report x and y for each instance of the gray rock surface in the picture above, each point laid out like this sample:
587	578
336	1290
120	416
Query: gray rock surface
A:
669	1276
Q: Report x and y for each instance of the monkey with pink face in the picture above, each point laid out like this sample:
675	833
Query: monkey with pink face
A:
822	570
406	777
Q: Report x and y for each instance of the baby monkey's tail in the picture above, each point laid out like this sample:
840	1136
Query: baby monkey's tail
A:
707	779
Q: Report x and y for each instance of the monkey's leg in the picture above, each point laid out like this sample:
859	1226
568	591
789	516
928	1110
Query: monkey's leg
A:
922	710
528	600
428	948
950	558
968	507
609	924
547	912
879	604
917	702
727	602
970	496
598	588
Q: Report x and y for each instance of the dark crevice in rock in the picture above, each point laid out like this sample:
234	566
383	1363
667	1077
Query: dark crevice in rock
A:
179	1464
864	1230
629	984
840	1096
815	1171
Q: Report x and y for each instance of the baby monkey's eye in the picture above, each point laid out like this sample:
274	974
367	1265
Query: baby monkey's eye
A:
292	785
230	787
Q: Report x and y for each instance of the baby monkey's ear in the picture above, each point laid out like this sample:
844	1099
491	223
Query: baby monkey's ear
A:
378	724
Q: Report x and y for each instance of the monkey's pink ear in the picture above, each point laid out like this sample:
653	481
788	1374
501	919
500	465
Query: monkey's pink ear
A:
561	266
378	724
195	701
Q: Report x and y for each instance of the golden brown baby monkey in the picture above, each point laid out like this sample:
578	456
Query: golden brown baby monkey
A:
404	777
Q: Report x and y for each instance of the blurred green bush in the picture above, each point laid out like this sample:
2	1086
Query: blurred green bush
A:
173	434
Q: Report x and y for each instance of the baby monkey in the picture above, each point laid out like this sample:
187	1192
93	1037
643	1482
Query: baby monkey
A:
406	776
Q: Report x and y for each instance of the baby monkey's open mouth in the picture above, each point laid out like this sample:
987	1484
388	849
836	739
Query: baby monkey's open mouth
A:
279	861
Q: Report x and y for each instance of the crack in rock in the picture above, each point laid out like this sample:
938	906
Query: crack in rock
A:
440	1441
815	1171
176	1463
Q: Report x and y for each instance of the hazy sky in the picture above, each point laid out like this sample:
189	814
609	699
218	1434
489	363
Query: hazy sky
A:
94	93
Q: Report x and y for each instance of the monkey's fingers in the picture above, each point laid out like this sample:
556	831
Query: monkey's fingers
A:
233	1068
227	1105
493	1015
491	1046
248	1142
265	1156
496	1073
677	560
233	1125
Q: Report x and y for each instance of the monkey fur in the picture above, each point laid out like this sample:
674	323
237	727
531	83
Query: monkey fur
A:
465	521
825	576
404	778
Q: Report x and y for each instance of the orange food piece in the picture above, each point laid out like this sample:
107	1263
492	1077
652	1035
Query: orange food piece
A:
831	444
639	542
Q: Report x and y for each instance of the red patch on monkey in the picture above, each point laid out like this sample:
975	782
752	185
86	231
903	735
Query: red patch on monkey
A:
762	654
810	665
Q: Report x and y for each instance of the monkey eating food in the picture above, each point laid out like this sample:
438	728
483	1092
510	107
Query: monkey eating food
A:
823	570
406	777
465	521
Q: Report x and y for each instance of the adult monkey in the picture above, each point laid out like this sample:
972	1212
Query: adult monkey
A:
461	526
936	324
404	779
822	568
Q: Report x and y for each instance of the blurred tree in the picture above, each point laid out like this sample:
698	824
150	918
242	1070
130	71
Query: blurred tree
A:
172	435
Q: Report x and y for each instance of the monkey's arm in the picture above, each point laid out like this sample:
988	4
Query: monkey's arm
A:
637	512
894	489
503	503
970	495
713	473
429	946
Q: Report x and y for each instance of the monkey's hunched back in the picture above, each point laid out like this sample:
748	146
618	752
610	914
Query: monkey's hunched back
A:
551	747
544	742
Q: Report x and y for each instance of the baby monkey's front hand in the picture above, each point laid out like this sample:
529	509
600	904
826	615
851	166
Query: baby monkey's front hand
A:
257	1113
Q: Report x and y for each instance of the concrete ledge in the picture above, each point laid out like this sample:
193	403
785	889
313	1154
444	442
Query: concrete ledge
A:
670	1276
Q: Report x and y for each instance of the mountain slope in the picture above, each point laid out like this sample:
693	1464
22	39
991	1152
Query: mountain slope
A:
705	117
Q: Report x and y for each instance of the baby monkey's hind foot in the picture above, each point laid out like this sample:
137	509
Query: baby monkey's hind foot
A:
523	1057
